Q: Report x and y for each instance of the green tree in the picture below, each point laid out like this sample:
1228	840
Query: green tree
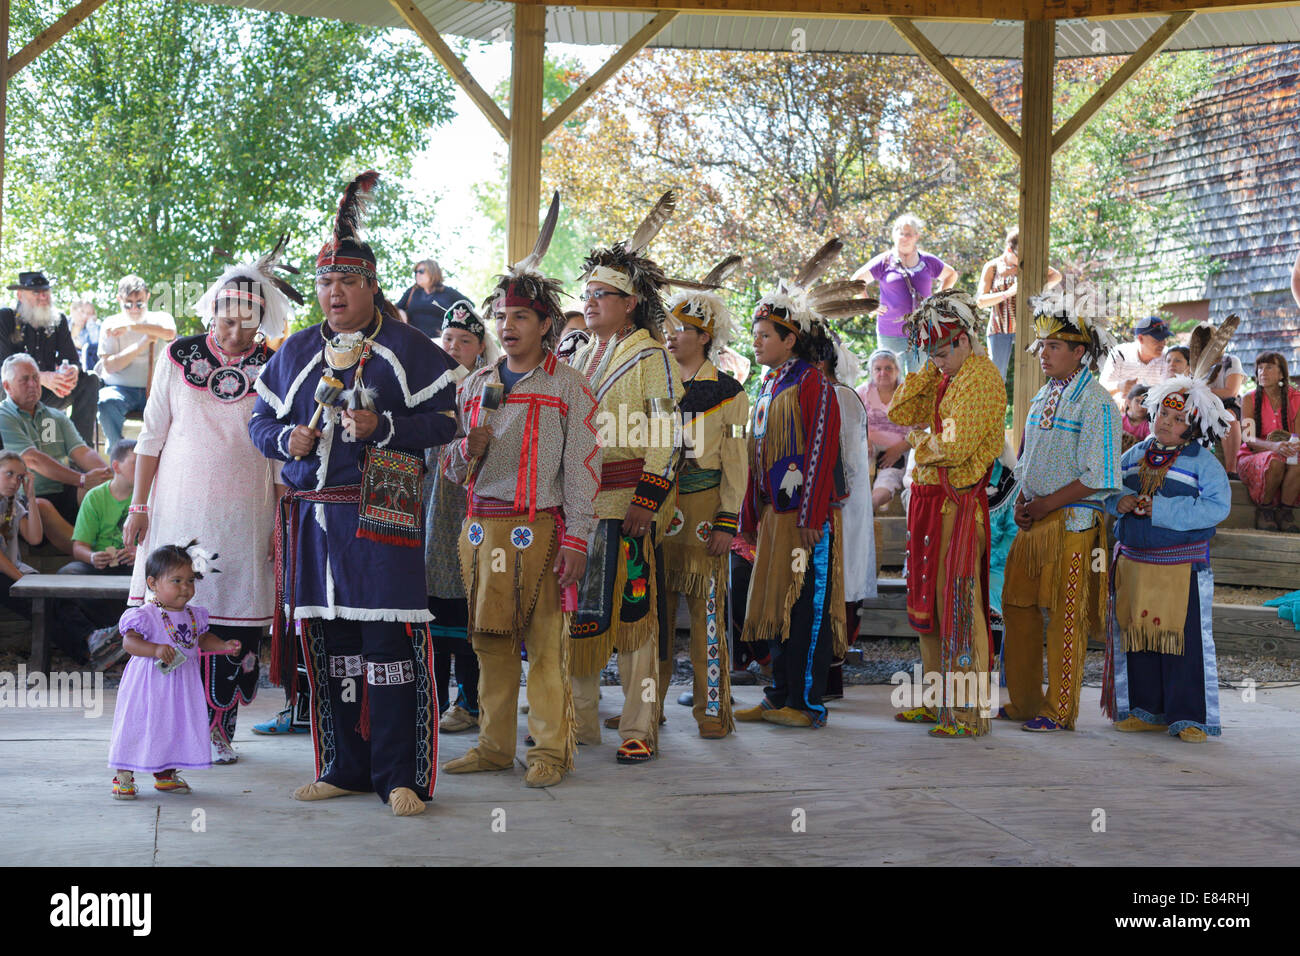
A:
155	131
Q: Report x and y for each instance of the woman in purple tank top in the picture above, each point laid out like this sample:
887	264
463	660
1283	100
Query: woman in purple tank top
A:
906	275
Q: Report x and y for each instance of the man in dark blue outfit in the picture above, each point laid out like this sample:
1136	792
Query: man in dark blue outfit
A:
349	555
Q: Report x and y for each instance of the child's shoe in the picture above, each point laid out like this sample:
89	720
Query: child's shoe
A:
169	781
124	785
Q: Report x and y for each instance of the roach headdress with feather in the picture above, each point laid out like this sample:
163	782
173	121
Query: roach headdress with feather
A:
524	286
1073	317
1206	415
624	266
797	306
940	318
700	306
344	251
256	284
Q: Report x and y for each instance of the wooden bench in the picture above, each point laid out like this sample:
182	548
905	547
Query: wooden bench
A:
40	588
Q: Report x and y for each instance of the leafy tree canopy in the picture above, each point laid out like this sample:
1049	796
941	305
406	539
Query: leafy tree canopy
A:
153	132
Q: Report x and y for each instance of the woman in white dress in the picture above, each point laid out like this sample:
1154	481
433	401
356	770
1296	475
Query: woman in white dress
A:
199	477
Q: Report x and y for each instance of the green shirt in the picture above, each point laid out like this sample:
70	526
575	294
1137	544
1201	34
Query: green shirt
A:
46	429
100	520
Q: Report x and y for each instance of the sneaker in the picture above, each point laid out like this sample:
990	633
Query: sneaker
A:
113	654
221	750
281	723
457	720
101	641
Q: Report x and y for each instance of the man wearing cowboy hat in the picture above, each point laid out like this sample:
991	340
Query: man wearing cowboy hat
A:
34	326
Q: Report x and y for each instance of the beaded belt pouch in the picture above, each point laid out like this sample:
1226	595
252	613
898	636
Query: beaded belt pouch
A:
392	498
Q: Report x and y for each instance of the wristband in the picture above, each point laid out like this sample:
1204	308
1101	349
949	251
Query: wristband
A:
138	510
81	481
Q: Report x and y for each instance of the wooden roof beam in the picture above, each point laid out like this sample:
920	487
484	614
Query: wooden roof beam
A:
948	11
418	22
960	85
598	79
51	35
1154	44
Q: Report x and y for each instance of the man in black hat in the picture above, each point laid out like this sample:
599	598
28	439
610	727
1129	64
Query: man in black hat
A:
34	326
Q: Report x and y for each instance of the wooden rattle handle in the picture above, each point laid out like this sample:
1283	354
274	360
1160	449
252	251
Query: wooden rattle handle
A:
315	420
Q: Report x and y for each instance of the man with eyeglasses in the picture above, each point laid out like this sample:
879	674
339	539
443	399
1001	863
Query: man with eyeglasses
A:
34	326
127	344
637	387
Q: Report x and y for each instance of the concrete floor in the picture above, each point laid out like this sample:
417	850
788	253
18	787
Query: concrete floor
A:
872	792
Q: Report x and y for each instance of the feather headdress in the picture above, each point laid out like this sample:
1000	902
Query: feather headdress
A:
624	266
524	286
256	284
940	318
798	306
344	251
1206	414
700	306
1075	317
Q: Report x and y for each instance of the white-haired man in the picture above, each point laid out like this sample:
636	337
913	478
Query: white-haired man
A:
126	342
50	446
34	326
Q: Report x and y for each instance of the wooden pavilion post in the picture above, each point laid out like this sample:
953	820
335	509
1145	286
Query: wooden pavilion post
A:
4	103
1035	203
524	189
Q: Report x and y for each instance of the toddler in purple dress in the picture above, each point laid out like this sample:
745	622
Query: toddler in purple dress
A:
160	723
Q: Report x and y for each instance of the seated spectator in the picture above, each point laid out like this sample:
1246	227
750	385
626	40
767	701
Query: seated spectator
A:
69	628
425	304
85	331
888	441
97	546
1267	460
34	327
49	446
1177	361
126	342
1136	422
1140	362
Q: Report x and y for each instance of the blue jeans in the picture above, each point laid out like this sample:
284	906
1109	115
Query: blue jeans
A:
1001	345
908	359
115	401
